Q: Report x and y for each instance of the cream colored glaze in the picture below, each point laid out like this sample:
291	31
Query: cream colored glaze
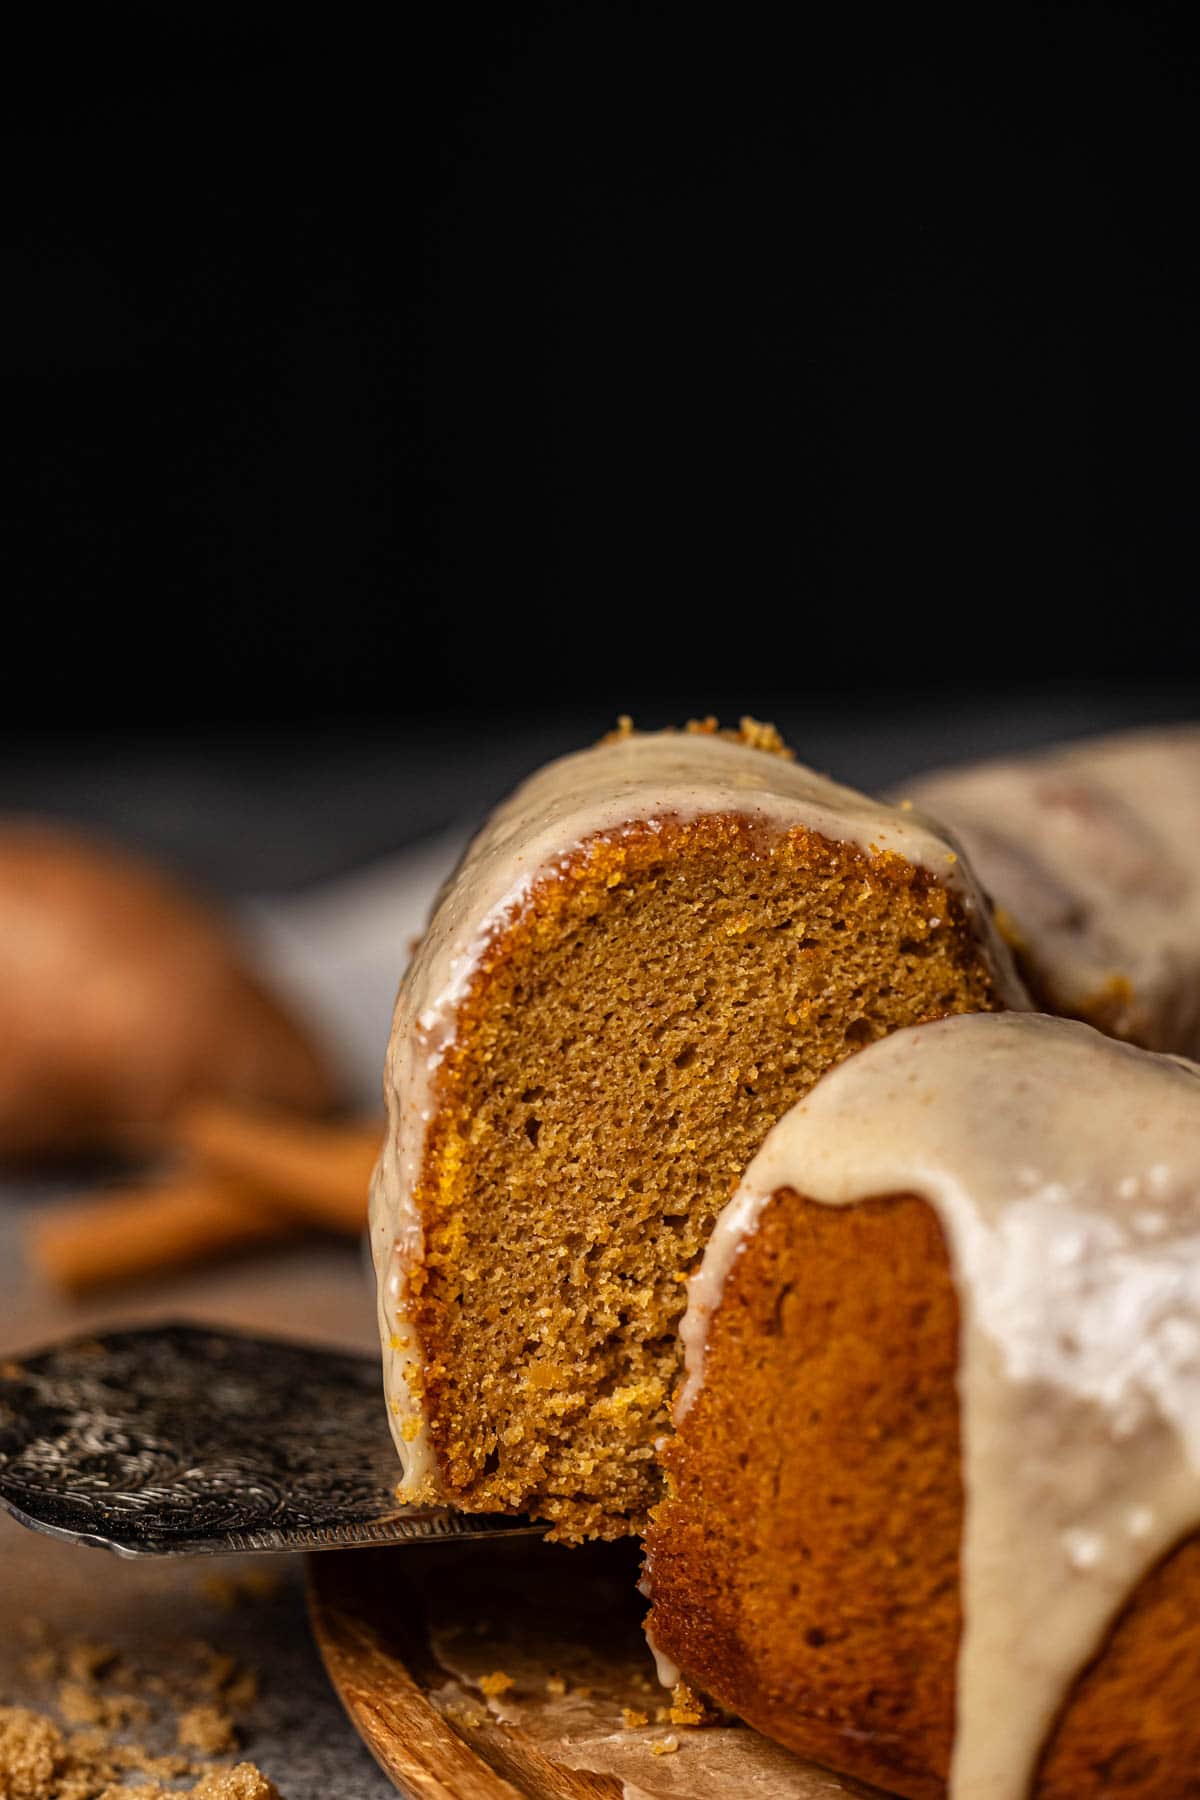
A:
668	1672
1094	851
635	778
1065	1169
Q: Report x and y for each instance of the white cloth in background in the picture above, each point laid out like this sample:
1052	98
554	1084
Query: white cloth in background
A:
337	952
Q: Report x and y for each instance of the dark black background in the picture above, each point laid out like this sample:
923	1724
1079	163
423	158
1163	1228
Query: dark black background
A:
461	360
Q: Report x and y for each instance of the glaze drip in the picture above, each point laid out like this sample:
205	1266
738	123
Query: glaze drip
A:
1065	1170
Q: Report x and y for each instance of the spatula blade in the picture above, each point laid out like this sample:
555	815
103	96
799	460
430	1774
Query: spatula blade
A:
184	1439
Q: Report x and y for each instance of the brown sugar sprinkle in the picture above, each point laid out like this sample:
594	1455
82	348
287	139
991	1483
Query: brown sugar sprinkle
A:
81	1704
242	1782
97	1691
206	1728
38	1761
634	1719
754	733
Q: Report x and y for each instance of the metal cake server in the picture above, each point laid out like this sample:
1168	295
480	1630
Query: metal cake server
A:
185	1440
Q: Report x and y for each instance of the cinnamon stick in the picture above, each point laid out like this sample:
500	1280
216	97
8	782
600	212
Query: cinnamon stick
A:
130	1232
319	1173
249	1176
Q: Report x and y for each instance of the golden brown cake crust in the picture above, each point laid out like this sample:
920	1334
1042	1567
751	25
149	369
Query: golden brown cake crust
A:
664	996
805	1564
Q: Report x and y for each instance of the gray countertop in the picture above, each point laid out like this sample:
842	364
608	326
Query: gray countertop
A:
296	1731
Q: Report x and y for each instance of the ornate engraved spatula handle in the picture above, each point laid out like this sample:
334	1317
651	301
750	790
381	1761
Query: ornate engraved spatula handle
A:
185	1440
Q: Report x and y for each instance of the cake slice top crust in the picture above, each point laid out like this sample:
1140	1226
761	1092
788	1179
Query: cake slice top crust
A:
627	786
1065	1170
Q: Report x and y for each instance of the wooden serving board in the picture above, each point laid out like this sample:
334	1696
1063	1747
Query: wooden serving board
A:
369	1613
409	1634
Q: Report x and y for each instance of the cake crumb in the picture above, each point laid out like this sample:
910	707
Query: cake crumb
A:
686	1707
467	1715
496	1684
634	1719
556	1686
666	1746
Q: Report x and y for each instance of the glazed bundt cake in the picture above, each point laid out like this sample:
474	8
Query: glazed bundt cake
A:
650	952
933	1506
1092	853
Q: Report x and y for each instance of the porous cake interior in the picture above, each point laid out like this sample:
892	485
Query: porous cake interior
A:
627	1043
805	1560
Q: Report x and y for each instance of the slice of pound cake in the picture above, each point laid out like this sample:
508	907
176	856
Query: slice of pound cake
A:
651	951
